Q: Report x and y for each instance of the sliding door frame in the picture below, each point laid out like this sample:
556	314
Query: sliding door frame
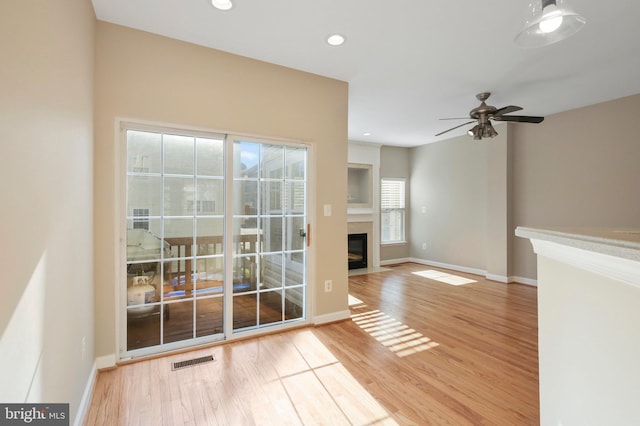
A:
121	127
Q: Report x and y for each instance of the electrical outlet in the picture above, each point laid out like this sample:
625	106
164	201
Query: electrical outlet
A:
328	286
424	246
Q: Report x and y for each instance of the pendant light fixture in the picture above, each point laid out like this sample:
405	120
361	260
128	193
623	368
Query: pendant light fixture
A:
549	21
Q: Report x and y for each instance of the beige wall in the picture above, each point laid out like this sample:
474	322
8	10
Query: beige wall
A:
147	77
46	182
578	168
394	163
497	253
449	179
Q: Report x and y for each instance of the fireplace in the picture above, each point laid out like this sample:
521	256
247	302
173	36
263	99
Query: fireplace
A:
357	253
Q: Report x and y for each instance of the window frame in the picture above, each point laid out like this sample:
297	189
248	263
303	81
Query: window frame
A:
401	210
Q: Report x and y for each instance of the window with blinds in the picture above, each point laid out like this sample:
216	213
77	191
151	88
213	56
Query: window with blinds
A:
392	209
141	219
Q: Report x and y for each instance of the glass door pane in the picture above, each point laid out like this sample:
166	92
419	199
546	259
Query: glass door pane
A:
175	246
269	229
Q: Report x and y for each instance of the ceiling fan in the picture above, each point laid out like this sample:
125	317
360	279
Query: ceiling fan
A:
484	113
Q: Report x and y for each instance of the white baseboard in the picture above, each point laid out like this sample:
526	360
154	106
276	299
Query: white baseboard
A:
85	402
492	277
107	361
499	278
522	280
332	317
395	261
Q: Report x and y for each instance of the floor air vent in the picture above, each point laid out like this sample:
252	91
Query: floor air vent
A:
192	362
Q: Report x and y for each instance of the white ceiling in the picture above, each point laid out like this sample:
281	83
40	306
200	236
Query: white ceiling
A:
409	63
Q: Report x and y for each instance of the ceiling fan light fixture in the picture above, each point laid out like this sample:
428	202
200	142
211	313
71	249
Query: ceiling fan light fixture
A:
488	131
549	21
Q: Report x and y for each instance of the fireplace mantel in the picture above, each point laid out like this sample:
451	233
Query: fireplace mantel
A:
360	217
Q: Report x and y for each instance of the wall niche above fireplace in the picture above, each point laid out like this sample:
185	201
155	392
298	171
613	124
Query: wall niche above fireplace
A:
360	188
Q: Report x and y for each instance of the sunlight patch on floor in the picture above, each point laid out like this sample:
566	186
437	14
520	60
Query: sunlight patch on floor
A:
353	301
339	397
444	277
399	338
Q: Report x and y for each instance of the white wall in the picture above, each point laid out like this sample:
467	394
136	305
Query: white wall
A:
589	347
46	182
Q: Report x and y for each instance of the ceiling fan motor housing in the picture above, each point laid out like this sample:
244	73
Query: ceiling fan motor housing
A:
481	112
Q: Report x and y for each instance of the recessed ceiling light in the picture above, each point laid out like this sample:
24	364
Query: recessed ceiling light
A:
367	133
335	40
222	4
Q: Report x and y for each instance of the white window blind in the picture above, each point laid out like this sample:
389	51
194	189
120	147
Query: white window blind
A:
392	205
392	196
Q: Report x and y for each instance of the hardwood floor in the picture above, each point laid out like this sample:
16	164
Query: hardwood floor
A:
417	351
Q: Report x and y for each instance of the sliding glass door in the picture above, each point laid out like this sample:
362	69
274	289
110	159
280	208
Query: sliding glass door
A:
215	238
269	230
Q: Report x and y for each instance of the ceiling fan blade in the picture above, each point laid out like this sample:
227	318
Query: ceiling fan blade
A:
518	118
506	110
453	128
454	118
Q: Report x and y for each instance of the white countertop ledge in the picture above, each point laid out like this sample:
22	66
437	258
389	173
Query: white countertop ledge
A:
621	243
613	253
